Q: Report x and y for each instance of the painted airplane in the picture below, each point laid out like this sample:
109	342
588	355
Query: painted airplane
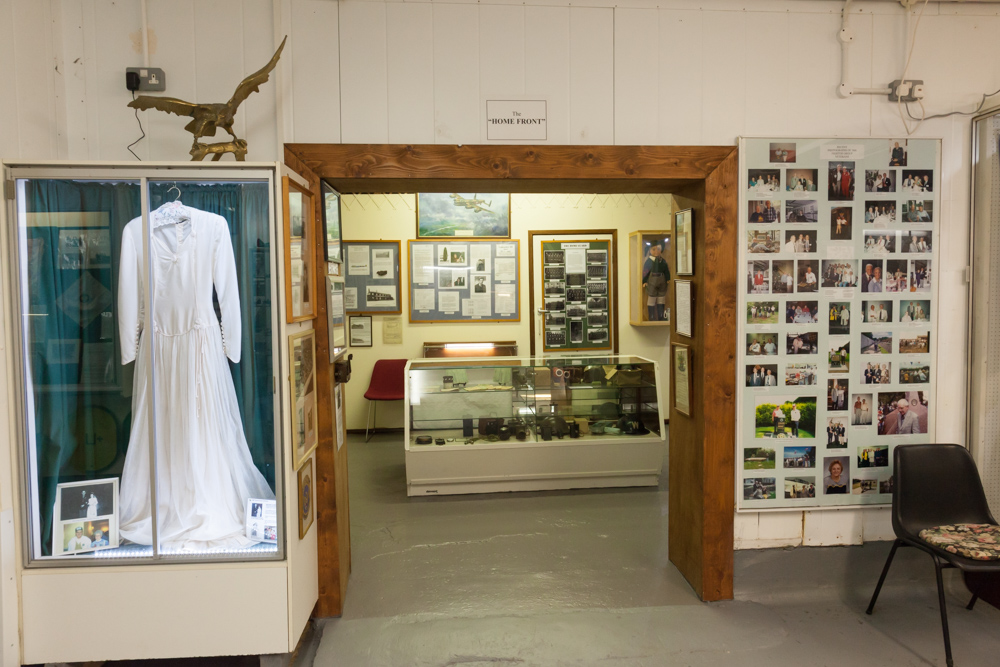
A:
474	204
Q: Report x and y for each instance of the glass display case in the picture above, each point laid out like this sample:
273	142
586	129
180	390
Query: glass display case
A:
479	425
649	255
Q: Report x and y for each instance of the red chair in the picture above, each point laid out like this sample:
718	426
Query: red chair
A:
387	384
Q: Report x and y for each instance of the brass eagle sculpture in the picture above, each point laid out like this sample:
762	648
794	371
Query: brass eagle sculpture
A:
209	117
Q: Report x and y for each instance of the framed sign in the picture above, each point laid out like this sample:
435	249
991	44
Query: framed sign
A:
684	307
372	280
684	242
302	381
300	271
681	366
305	494
336	319
463	215
361	330
578	294
331	224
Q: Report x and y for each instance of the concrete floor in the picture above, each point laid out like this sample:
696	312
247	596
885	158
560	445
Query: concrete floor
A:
583	578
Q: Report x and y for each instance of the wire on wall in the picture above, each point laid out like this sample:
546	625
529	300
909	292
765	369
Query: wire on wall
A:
906	69
140	129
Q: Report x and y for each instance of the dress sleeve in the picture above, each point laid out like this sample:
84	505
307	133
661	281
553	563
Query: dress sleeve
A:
130	307
228	290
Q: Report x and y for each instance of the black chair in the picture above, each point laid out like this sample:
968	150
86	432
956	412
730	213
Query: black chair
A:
937	485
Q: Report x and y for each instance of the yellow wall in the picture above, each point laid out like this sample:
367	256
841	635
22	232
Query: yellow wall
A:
393	217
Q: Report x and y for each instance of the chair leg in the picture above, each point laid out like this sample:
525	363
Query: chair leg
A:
368	420
881	580
944	614
972	602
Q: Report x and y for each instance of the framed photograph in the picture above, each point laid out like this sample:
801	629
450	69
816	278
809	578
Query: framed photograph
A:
684	308
684	242
306	505
261	521
361	330
682	378
300	283
331	224
302	360
336	317
463	215
85	517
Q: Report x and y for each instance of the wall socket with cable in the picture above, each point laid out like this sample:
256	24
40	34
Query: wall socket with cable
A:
145	79
910	90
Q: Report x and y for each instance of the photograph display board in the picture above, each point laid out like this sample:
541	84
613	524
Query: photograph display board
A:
372	278
577	295
464	281
837	315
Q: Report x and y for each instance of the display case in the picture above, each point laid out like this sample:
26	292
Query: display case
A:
649	278
485	425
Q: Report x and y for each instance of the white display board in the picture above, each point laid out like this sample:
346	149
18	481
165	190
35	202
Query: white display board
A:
837	319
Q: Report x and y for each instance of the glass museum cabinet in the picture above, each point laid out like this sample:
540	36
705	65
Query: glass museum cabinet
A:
499	424
147	455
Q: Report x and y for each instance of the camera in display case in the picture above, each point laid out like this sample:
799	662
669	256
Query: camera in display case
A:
493	433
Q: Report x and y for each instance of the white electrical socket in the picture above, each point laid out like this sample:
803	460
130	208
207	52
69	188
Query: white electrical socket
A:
904	91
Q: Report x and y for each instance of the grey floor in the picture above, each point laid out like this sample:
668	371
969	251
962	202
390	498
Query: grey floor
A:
583	578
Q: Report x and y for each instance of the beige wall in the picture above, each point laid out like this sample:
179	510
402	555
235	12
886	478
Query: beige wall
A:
393	217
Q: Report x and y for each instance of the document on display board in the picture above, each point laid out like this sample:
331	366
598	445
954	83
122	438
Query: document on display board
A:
506	250
506	301
423	299
480	258
422	259
476	307
576	259
448	302
506	271
383	266
350	298
359	260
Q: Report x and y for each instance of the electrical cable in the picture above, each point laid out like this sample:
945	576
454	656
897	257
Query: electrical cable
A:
923	117
140	129
906	70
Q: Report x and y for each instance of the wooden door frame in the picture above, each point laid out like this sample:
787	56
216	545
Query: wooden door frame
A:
702	447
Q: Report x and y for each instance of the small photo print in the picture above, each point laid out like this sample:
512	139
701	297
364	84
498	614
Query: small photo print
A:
764	180
836	433
895	276
880	180
800	487
762	344
555	304
840	181
902	413
799	457
877	312
915	343
597	335
88	501
801	210
758	458
873	456
897	152
840	273
841	218
871	277
885	485
839	356
84	536
914	311
880	213
802	312
862	485
758	276
758	488
920	275
597	288
876	373
555	273
555	289
555	256
576	312
762	375
807	280
782	152
918	180
597	257
782	276
876	342
836	395
917	242
861	409
763	211
798	241
576	279
597	303
801	343
785	417
479	285
918	210
800	180
836	473
840	318
762	312
576	331
914	372
576	295
800	374
880	243
760	241
597	320
555	319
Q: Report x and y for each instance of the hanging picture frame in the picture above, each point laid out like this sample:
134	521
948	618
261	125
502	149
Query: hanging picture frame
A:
360	330
332	230
305	493
684	242
681	367
463	215
302	381
299	230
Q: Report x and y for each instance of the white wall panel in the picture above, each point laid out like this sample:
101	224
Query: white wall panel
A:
410	63
457	118
363	74
9	125
724	95
501	50
219	60
823	528
34	64
592	76
681	80
116	23
636	76
546	65
315	38
173	28
258	125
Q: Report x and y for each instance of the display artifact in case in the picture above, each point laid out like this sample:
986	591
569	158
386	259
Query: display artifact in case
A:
494	430
649	277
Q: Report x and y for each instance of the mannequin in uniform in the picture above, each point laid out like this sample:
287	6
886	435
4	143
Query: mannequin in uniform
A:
655	276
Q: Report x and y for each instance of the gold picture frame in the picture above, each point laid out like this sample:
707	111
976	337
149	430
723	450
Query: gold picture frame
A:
681	368
306	493
303	394
432	223
299	214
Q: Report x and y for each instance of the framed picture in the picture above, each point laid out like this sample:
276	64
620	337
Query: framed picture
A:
300	283
302	361
684	242
306	510
682	378
331	224
373	279
684	307
85	517
463	214
336	317
261	523
361	330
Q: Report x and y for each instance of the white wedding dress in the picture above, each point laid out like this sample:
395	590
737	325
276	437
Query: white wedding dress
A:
204	470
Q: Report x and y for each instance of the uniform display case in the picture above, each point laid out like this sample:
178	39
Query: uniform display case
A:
649	278
485	425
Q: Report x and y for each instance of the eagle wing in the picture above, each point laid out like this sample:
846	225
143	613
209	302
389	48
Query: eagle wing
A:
168	104
252	83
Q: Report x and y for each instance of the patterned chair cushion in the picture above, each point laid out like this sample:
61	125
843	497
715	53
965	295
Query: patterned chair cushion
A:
978	541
